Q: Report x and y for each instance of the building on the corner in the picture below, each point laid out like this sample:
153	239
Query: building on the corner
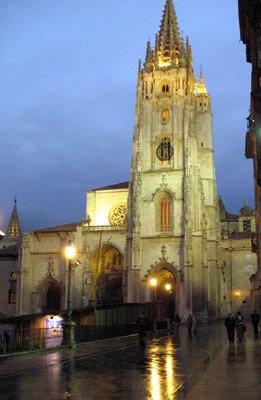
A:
238	261
250	33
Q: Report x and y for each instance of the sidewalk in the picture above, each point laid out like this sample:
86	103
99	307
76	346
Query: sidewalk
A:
234	374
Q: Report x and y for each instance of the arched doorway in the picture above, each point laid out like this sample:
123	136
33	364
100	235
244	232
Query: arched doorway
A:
53	297
108	264
166	290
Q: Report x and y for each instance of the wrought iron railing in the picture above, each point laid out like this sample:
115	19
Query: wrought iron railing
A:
19	340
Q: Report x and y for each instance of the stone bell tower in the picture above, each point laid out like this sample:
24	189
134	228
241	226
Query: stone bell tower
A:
173	224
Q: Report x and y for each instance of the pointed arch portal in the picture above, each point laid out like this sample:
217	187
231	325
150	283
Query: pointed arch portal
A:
53	297
108	265
166	289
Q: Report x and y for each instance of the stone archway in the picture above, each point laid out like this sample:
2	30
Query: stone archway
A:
167	288
108	266
50	295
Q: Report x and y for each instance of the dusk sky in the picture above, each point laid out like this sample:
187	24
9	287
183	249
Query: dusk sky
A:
68	72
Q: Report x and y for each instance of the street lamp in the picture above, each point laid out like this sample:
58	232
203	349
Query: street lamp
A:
168	290
70	252
153	284
168	287
69	325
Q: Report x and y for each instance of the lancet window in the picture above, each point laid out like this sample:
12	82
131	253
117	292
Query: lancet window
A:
164	212
165	88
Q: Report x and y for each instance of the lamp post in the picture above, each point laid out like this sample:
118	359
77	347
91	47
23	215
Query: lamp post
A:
153	284
69	325
168	290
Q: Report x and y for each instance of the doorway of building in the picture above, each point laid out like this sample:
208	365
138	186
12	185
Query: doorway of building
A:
108	263
53	297
166	291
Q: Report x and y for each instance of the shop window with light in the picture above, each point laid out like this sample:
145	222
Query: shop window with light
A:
164	213
12	288
165	115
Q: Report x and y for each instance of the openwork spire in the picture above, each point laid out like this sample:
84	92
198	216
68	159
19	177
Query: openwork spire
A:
14	230
189	58
170	47
201	86
149	57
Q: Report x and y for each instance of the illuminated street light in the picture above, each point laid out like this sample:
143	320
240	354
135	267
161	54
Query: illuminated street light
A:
69	325
168	287
70	251
153	284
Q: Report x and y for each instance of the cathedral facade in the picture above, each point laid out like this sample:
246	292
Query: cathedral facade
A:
173	231
161	227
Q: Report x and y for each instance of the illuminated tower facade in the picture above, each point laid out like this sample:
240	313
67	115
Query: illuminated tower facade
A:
173	224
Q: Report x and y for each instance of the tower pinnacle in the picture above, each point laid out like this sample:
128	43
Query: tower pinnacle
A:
14	230
201	86
170	45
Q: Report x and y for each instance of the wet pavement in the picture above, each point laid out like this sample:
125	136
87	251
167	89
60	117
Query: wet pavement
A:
171	367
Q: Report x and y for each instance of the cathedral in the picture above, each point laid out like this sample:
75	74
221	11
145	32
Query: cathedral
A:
159	237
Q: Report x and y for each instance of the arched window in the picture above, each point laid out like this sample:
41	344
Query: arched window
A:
12	288
165	88
165	115
164	213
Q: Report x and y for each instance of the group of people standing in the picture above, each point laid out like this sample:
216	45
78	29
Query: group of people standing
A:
236	325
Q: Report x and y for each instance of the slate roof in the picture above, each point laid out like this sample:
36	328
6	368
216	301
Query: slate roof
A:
59	228
122	185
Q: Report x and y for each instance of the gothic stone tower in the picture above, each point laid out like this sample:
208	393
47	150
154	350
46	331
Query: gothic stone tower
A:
173	226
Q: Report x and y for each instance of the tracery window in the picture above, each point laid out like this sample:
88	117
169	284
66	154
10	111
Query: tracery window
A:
165	150
117	214
164	212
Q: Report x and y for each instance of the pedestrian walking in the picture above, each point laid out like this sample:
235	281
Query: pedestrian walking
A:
240	327
189	324
239	317
194	323
141	325
176	322
6	341
255	318
230	323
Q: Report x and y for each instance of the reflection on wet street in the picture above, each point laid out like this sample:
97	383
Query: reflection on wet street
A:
165	370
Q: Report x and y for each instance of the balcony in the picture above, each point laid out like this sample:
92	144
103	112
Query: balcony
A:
103	228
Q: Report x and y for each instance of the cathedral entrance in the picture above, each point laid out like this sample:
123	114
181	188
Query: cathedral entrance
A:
166	290
109	275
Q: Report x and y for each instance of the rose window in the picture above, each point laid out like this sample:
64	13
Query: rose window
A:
118	214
